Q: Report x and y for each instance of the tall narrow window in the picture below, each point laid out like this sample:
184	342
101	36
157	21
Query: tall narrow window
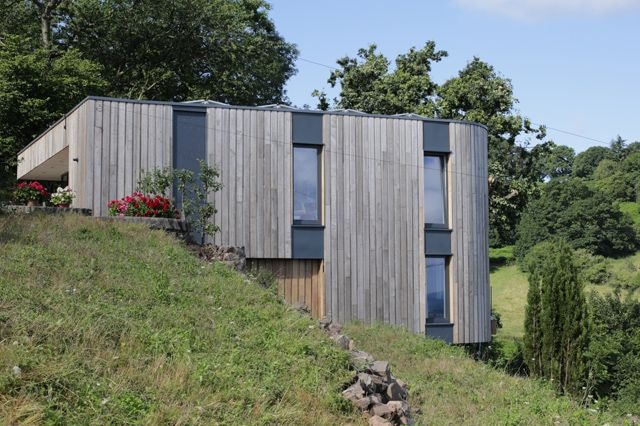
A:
306	185
436	289
435	211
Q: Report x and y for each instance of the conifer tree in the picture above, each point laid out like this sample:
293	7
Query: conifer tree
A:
556	322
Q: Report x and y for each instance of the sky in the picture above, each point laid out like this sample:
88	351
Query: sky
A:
574	64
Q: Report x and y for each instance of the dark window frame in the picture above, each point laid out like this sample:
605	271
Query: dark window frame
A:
443	157
447	292
318	149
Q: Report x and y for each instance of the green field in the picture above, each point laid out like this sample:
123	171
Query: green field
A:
509	288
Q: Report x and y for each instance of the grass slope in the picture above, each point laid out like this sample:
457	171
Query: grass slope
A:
451	389
116	324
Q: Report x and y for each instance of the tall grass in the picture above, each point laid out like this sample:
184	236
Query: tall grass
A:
108	323
449	388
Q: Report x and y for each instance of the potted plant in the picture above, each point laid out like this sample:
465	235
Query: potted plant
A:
62	197
30	193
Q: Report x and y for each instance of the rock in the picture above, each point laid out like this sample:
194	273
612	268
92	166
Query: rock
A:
341	340
380	383
361	357
366	382
395	392
405	420
395	407
376	398
334	328
402	384
363	403
378	421
352	345
399	408
16	371
381	410
325	322
381	368
353	392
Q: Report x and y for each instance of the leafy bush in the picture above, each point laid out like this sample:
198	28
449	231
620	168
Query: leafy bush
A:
193	192
614	352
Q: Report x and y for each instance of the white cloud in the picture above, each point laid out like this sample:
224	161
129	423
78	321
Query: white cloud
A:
540	9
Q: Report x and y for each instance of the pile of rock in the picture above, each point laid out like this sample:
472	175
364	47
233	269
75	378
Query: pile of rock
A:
233	257
380	396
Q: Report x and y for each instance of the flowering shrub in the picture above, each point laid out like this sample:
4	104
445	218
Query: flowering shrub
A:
142	205
62	196
30	191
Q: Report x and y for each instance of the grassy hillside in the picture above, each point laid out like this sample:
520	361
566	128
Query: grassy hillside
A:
106	323
449	388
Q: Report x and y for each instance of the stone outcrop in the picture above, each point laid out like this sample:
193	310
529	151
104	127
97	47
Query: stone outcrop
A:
233	257
381	397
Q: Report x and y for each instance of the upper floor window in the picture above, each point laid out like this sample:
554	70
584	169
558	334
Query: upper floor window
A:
306	185
435	196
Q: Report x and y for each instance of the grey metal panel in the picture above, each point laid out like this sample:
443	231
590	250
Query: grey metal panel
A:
307	242
437	242
442	331
189	139
307	128
436	136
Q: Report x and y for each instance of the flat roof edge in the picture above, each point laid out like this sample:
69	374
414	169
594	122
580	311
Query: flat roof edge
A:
64	116
408	116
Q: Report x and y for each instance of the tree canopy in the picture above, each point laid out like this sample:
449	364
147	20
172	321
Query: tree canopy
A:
478	93
584	217
53	53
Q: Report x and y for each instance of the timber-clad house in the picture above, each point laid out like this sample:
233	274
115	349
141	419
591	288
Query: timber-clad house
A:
360	216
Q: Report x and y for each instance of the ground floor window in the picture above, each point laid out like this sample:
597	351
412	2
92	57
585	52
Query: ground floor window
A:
437	288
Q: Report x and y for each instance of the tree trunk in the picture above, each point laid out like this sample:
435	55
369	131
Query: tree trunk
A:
45	29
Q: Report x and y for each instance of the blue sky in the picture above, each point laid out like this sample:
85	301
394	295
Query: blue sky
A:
574	64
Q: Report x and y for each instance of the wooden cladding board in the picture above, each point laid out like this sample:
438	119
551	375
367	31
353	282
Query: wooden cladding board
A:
374	248
39	159
470	303
124	140
253	152
299	281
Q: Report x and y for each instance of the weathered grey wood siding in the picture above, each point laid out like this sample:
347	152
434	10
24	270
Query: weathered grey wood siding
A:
32	161
374	248
253	151
124	140
470	303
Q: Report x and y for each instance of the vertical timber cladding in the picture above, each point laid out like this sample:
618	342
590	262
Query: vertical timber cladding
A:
252	150
469	267
124	139
300	282
374	248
